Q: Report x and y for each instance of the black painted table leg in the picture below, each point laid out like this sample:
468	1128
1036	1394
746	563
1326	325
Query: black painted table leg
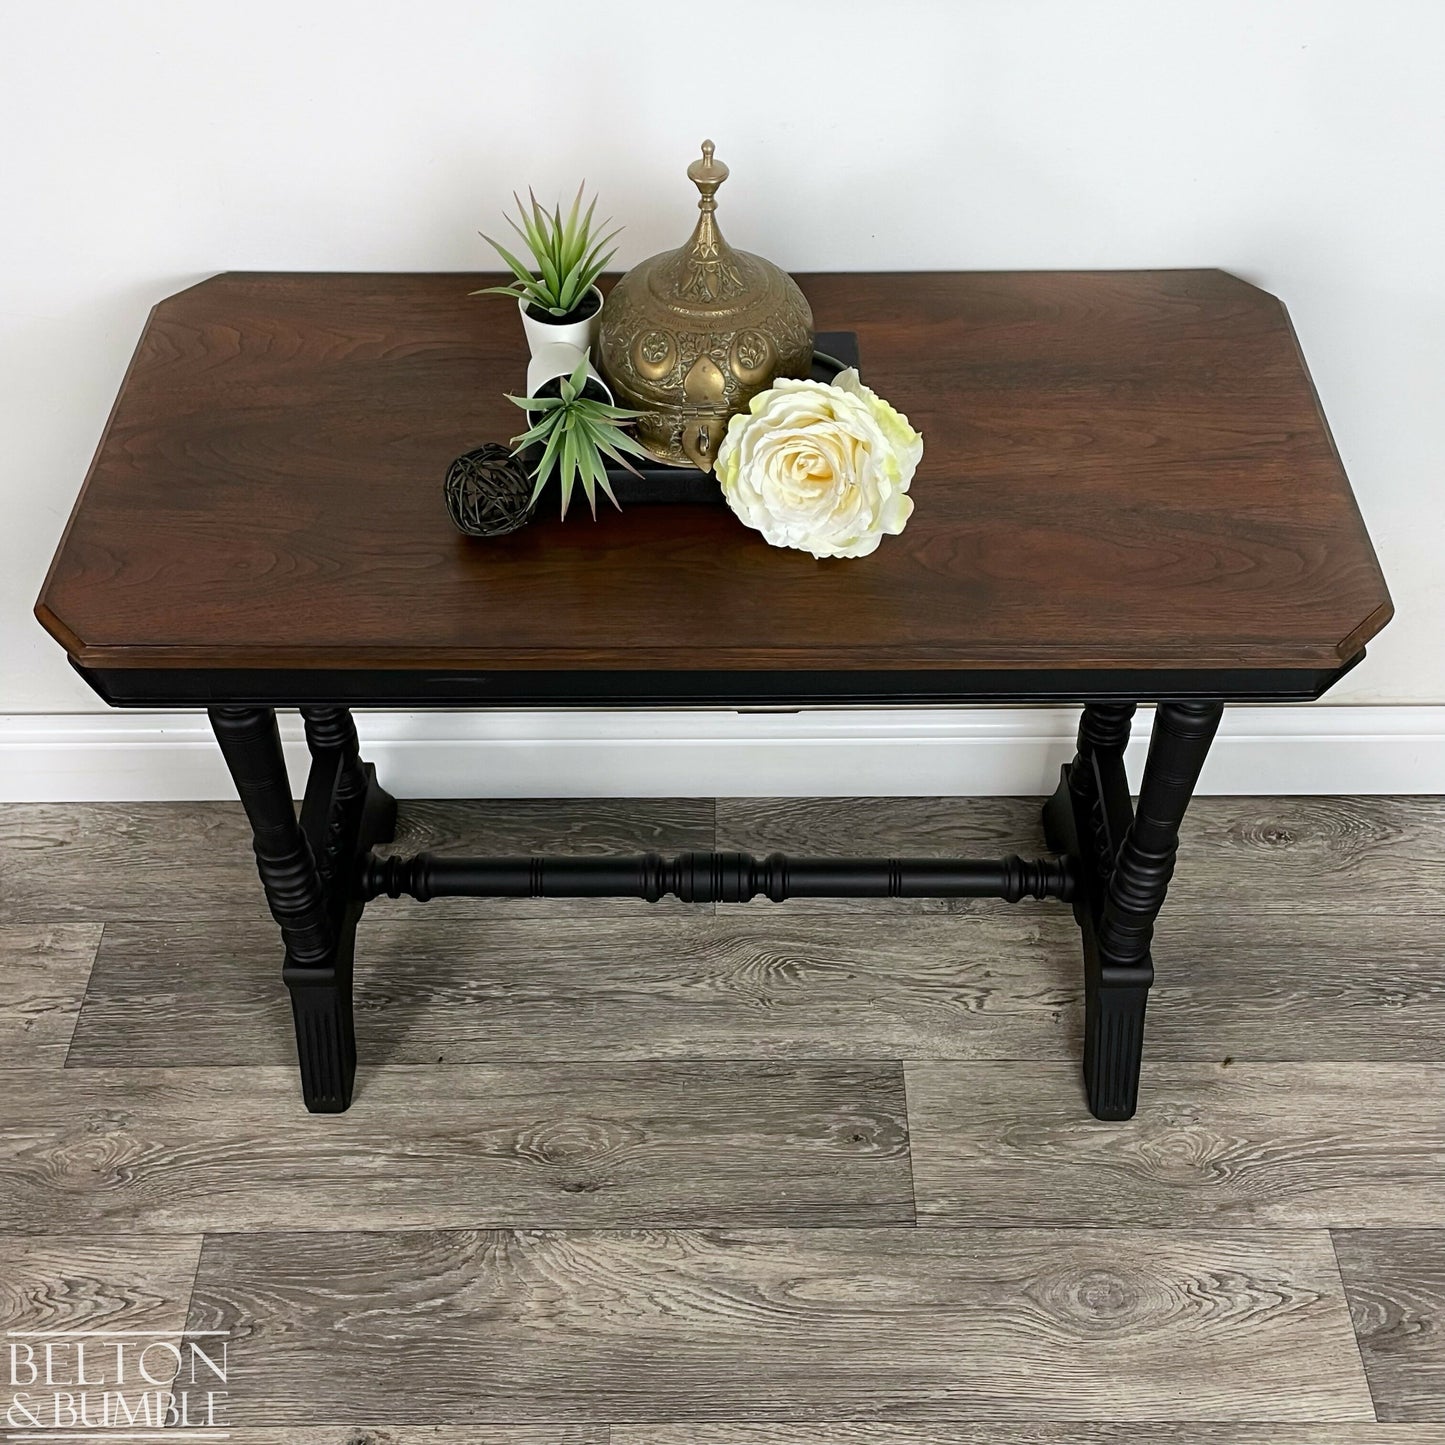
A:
1125	860
306	870
347	807
1082	812
1119	986
318	873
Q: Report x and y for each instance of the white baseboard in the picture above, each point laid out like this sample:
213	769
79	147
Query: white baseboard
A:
171	756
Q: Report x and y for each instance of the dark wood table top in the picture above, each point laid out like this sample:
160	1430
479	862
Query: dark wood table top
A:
1128	488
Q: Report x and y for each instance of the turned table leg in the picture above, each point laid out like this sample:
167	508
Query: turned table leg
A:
307	869
346	812
1125	858
320	995
1118	987
1092	787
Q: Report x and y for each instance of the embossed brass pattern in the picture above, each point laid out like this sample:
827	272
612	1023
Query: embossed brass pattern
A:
690	336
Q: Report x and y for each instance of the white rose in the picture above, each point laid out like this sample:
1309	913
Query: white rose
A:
824	468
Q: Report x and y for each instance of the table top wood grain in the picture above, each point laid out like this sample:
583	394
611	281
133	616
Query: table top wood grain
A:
1126	473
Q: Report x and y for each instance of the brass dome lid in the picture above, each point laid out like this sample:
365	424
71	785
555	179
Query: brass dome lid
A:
690	336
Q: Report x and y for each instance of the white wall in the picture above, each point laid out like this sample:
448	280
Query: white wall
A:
1300	143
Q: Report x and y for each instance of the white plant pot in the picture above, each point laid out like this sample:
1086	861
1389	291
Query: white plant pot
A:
559	359
581	334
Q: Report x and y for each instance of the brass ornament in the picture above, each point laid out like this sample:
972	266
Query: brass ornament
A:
690	336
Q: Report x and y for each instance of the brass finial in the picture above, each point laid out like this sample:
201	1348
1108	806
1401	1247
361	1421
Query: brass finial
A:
707	175
689	336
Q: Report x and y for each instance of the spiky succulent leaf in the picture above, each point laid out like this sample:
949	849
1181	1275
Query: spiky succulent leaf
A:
516	289
576	384
569	229
547	462
615	441
567	255
538	244
559	232
615	413
551	292
535	403
579	237
590	261
569	465
606	409
536	222
540	432
589	464
614	447
576	432
604	483
521	272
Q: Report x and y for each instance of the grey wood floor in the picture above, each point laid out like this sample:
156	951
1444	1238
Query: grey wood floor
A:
810	1174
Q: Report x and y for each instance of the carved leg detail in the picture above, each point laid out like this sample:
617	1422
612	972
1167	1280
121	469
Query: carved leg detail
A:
1178	747
325	1039
1118	966
1089	813
318	958
347	812
1113	1049
251	746
332	730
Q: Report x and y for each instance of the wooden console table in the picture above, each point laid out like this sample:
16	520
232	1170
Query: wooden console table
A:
1129	494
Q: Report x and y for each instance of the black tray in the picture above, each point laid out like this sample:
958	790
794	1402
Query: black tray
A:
660	482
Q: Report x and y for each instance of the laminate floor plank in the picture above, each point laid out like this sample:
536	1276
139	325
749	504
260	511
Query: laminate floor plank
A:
600	1157
43	972
96	1282
115	861
1267	855
922	827
389	1434
793	1324
593	1144
99	862
1309	988
1395	1282
885	1432
1279	1145
1293	855
697	987
110	862
1297	988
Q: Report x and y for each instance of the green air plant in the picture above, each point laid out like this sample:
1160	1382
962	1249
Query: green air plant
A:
567	258
574	432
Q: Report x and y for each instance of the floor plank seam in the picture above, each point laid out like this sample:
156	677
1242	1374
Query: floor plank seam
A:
191	1292
84	996
1350	1310
1206	1232
776	1061
430	913
692	1060
1408	1432
908	1127
1129	1430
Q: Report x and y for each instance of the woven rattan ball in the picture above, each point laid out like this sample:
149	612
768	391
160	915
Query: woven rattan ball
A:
489	492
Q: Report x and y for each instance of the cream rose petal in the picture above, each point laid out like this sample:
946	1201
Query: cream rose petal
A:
823	468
